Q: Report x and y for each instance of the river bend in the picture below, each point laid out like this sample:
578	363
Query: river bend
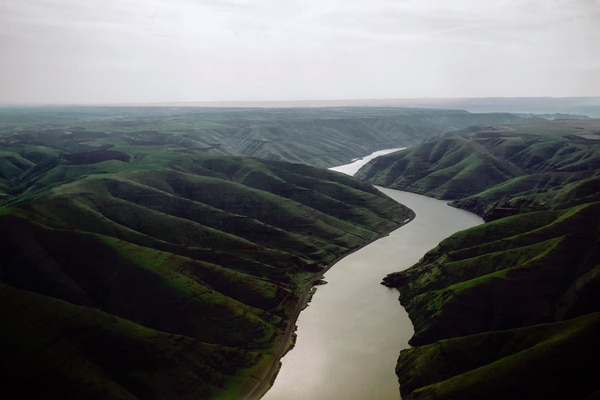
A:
349	337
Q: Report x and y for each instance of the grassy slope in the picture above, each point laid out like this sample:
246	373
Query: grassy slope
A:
105	203
474	281
508	308
321	137
194	260
444	168
482	302
498	168
536	362
57	349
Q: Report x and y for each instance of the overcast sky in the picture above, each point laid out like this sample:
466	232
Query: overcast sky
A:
119	51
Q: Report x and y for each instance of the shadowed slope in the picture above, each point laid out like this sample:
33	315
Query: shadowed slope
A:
204	256
508	309
58	349
498	168
444	169
485	304
513	272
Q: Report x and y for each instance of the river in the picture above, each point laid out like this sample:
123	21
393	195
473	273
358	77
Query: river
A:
349	337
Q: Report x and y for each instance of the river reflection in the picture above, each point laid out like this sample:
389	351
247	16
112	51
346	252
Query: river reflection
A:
350	335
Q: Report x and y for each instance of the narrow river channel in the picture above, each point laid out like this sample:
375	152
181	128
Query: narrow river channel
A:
349	337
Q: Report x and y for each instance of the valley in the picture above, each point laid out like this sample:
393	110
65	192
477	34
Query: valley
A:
165	252
182	256
155	270
507	309
349	337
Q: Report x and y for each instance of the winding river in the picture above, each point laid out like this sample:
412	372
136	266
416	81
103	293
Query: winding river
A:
349	337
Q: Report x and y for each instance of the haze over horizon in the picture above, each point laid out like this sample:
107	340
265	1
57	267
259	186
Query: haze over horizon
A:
133	51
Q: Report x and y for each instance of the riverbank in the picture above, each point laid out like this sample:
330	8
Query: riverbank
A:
306	365
267	376
350	336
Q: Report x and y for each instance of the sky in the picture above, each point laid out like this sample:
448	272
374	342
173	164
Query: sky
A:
124	51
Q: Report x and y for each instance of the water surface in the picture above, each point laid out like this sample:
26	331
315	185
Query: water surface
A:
350	335
355	165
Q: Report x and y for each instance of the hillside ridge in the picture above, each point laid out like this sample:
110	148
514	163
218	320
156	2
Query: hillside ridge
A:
507	309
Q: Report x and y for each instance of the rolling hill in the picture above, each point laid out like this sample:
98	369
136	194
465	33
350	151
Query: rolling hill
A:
323	137
166	277
508	309
163	252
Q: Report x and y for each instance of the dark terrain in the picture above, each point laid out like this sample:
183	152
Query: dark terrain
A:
508	309
170	283
143	258
165	252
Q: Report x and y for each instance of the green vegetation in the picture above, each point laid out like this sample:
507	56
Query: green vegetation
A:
138	263
323	137
144	254
59	349
507	309
536	362
193	252
499	171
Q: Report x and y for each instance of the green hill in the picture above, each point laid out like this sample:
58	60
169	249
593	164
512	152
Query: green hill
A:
323	137
144	254
507	309
499	169
170	277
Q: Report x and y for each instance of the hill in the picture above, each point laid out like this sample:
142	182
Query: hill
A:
508	308
144	257
497	170
323	137
169	277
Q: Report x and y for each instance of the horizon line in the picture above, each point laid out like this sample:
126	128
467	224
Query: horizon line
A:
308	103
